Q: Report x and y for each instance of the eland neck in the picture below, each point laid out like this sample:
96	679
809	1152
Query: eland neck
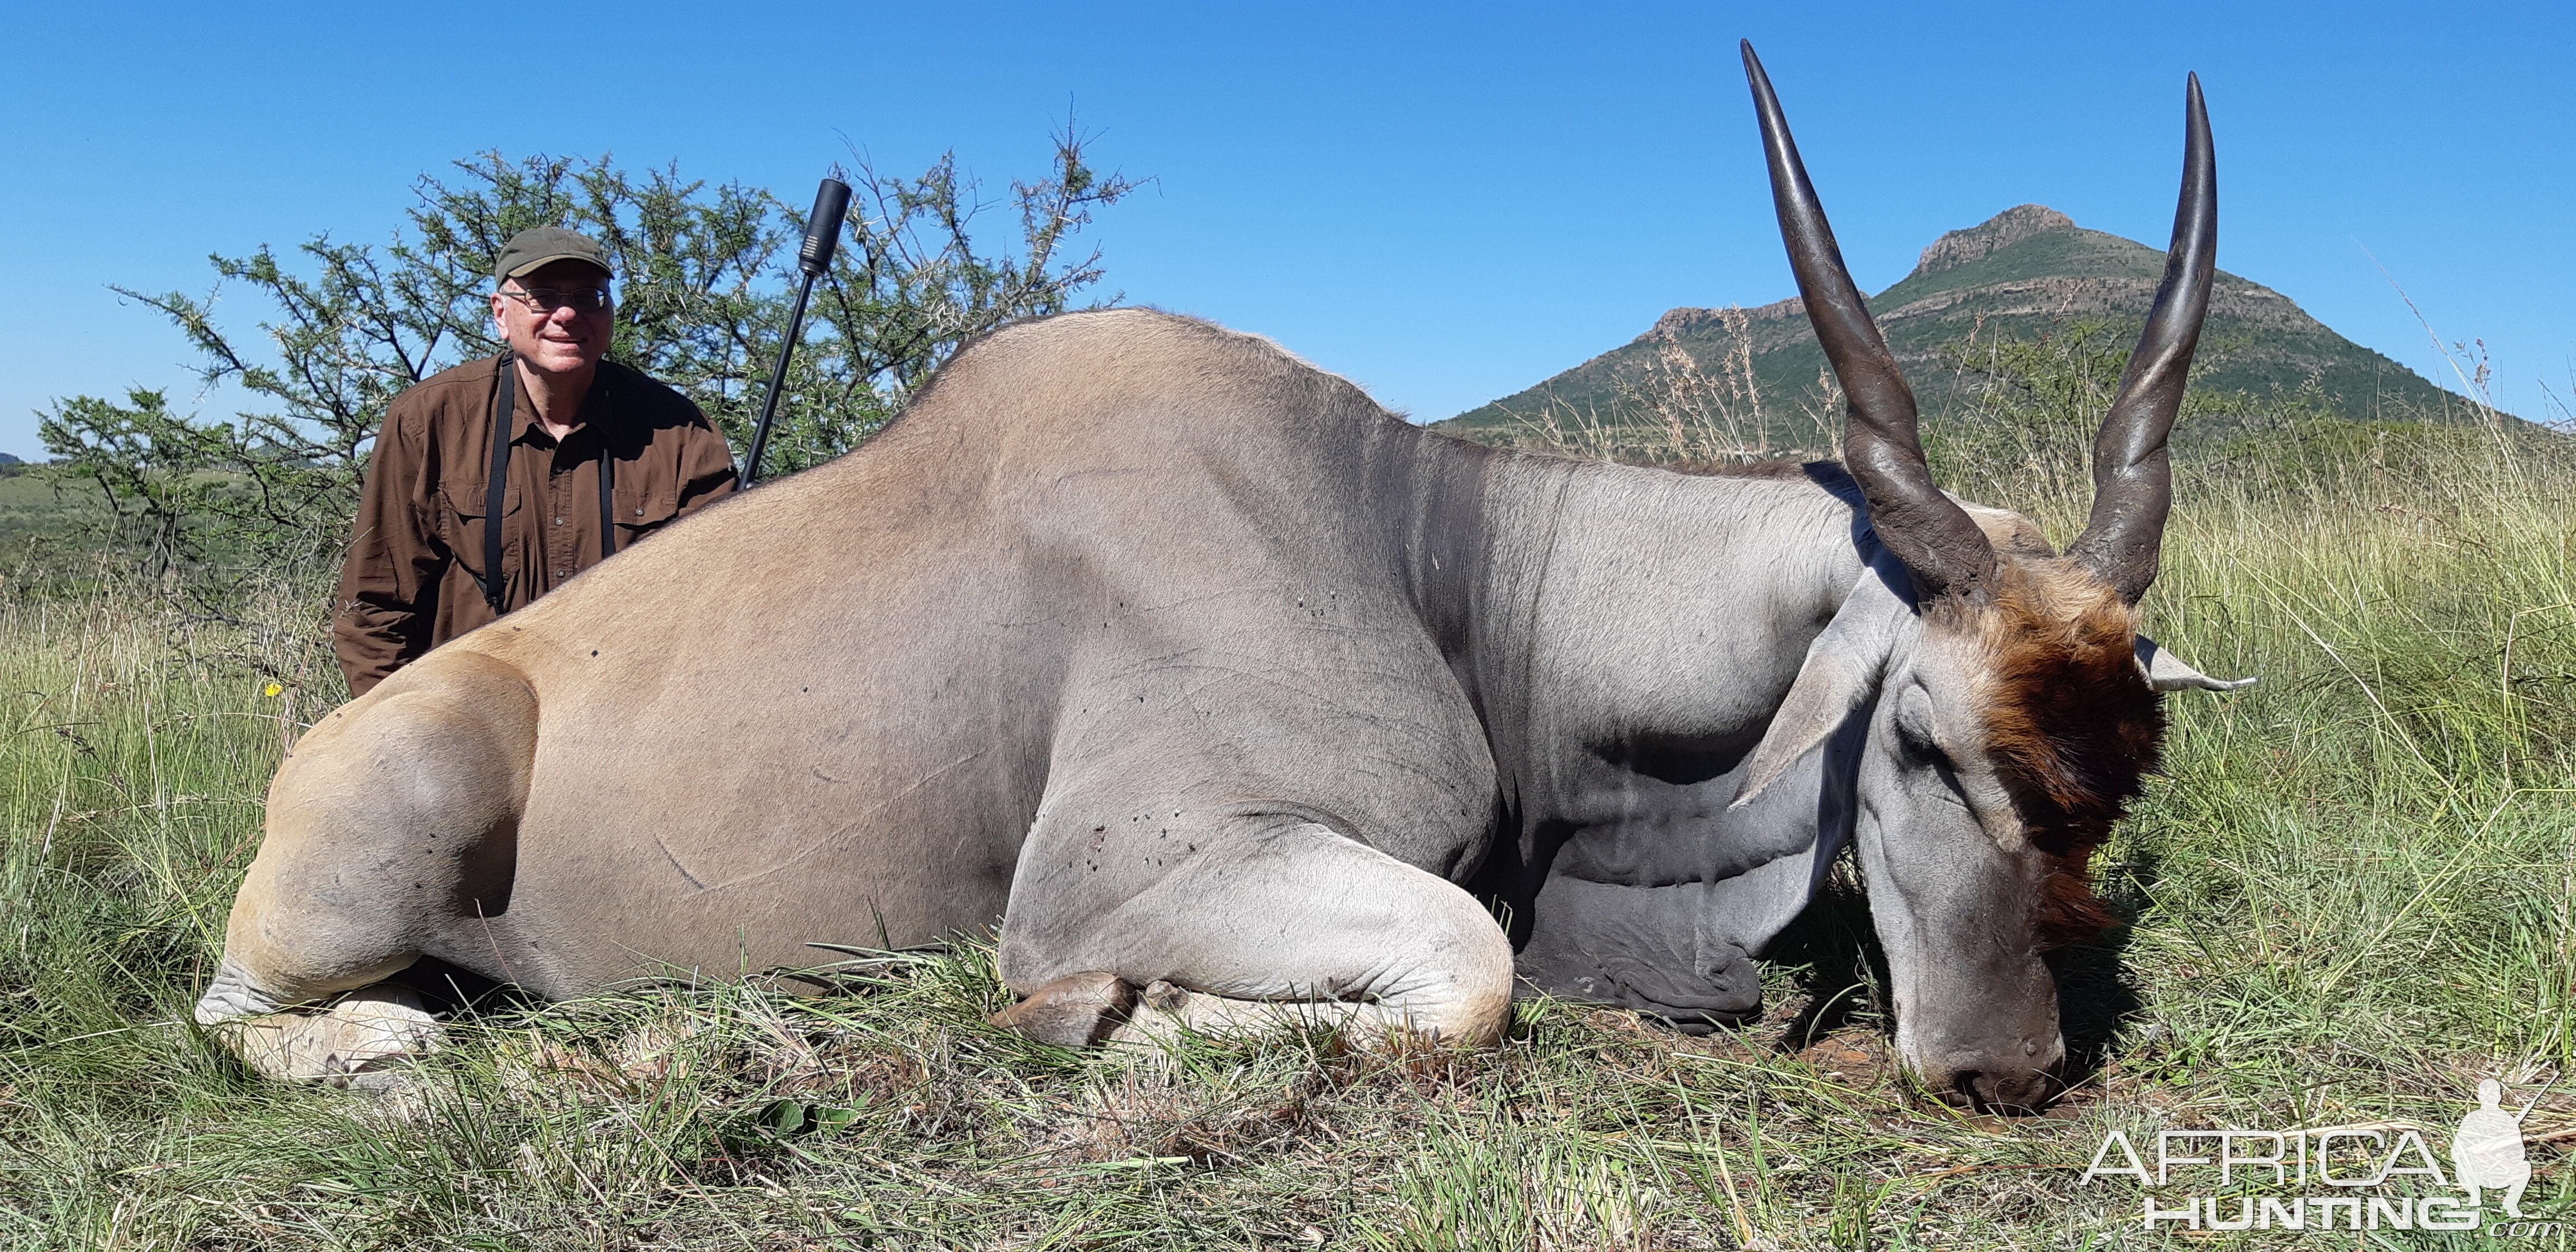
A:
1585	606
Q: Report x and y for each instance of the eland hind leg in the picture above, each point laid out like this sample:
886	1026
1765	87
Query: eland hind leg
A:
1251	921
395	819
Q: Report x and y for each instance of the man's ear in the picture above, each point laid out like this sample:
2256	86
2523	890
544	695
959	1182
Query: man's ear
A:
2167	672
1844	668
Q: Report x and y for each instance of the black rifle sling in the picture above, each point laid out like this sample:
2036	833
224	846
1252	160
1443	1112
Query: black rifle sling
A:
594	412
607	478
505	414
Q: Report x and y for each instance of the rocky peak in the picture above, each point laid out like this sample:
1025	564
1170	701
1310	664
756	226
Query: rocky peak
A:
1988	237
1687	321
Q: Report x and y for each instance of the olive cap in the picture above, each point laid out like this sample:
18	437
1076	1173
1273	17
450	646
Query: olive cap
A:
530	249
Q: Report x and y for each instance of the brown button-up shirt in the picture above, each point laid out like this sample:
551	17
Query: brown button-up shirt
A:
414	577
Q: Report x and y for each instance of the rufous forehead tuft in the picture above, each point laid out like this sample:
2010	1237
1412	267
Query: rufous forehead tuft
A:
2070	724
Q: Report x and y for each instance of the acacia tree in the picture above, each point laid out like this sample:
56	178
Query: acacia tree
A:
705	278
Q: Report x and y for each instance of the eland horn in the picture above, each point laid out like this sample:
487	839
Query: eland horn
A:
2132	475
1936	539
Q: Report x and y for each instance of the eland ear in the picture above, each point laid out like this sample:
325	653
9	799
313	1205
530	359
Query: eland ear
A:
1844	668
2167	672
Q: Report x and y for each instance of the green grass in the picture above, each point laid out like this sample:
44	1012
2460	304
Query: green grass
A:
2351	893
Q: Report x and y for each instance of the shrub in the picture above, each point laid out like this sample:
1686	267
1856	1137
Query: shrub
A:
705	277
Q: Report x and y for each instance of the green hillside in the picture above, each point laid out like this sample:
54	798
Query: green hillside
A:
36	507
2027	273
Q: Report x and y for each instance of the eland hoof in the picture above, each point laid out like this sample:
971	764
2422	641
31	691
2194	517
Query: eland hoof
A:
348	1043
1074	1011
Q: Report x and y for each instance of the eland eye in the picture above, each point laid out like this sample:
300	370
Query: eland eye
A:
1914	727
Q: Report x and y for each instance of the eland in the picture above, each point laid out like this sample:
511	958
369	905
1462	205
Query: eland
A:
1230	695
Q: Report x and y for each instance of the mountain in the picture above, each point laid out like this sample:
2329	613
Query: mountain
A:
2025	273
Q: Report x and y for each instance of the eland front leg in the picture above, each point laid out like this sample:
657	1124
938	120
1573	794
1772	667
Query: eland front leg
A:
390	822
1246	920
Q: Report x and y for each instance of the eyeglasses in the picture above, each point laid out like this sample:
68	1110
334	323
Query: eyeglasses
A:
549	299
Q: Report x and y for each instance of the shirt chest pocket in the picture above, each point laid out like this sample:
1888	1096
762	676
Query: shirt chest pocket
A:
462	521
641	507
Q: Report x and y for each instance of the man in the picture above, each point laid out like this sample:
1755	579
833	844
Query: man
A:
594	456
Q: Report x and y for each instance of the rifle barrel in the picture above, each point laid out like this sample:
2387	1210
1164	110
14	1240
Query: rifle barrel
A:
813	259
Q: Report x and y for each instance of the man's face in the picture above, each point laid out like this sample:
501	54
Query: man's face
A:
543	317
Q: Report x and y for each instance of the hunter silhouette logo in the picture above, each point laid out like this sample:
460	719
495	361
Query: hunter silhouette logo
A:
2354	1166
2486	1151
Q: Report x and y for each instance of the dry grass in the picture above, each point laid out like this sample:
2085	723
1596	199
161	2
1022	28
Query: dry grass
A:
2347	899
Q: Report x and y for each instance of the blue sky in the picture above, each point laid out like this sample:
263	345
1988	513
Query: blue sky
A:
1443	203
